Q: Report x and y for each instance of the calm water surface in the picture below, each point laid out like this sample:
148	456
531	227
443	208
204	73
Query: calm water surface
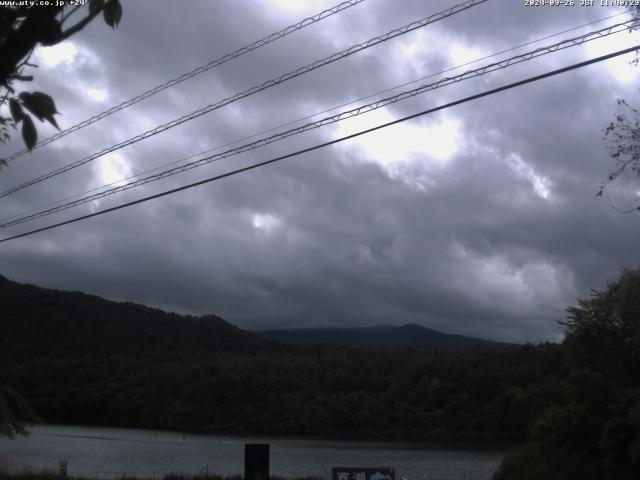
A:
113	452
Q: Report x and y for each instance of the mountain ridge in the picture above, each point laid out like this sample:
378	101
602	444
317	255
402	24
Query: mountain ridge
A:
37	322
385	337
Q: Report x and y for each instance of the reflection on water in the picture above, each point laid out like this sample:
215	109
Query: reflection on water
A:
111	452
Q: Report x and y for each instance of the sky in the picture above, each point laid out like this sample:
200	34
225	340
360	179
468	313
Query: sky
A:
480	219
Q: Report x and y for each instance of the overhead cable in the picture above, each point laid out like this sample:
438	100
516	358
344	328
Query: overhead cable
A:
307	117
196	71
331	142
538	52
263	86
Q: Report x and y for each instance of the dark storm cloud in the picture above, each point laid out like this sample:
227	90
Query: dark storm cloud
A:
494	240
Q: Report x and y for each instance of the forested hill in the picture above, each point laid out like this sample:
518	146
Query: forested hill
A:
386	337
39	322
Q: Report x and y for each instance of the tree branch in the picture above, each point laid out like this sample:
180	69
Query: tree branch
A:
66	16
80	25
17	46
619	210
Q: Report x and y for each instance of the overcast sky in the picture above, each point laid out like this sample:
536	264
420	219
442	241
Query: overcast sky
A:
479	220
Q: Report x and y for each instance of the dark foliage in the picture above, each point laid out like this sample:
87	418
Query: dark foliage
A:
463	395
37	322
386	337
85	360
23	27
577	404
593	429
15	413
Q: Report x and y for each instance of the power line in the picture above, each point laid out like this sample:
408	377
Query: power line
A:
567	43
292	122
197	71
332	142
3	222
283	78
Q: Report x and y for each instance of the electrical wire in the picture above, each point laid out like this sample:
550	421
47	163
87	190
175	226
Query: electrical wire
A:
331	142
567	43
262	132
197	71
283	78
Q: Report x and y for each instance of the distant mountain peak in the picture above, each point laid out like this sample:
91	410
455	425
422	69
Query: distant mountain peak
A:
384	337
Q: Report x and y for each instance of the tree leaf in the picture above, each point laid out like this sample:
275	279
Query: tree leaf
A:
95	6
3	163
27	101
41	105
38	103
112	13
16	110
29	134
52	121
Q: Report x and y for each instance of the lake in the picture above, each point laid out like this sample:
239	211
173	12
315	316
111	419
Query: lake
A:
113	452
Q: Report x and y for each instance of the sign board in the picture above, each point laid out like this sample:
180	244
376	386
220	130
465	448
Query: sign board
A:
363	473
256	461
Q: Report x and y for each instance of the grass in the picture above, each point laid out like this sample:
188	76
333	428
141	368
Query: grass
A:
172	476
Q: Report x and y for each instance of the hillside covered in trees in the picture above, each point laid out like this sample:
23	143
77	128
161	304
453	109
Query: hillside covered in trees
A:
383	337
38	322
574	407
328	392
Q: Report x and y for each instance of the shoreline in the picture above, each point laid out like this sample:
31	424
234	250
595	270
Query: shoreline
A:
471	441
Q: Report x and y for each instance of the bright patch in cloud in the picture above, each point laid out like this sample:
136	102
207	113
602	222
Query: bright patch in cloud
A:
265	222
541	185
461	53
63	53
113	168
619	67
400	142
413	50
98	95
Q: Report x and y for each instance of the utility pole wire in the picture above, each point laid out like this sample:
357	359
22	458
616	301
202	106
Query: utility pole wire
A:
4	222
197	71
332	142
492	67
258	88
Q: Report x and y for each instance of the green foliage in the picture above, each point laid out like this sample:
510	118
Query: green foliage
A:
112	13
37	322
23	28
15	412
16	110
524	463
29	134
338	393
577	404
593	429
41	105
82	359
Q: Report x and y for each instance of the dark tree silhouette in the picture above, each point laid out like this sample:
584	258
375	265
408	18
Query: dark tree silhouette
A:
623	137
593	429
15	413
22	29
